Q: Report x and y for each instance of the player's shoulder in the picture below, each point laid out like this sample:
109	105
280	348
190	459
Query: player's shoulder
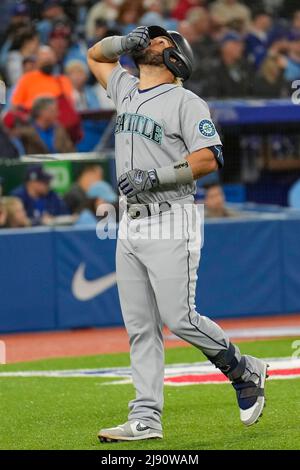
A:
120	72
120	83
187	96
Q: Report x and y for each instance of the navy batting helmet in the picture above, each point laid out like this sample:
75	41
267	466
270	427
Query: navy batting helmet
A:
178	59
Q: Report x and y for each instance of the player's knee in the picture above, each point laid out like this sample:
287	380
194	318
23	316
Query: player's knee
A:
180	324
176	325
142	334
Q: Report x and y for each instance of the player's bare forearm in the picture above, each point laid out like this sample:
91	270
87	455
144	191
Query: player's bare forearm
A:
202	163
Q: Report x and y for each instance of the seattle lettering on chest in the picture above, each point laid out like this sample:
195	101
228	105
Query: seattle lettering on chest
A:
139	124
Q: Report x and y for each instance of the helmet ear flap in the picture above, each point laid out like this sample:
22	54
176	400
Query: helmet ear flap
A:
176	63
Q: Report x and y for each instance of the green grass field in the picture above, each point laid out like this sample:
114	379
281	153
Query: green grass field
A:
66	413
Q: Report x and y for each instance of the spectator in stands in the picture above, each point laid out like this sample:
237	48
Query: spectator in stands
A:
292	63
5	15
3	214
214	202
45	134
84	95
154	14
25	45
181	8
29	64
76	198
273	7
100	32
197	29
20	14
196	82
41	82
129	14
200	20
40	202
19	19
61	43
270	82
52	11
295	26
11	145
16	216
225	12
8	148
106	10
187	29
203	22
231	77
288	8
258	39
101	202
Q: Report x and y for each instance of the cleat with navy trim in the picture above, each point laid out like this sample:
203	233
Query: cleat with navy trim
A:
251	396
130	431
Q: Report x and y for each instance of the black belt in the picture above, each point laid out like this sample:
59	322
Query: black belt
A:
139	211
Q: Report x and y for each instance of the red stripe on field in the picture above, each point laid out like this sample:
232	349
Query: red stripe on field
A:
198	378
284	372
221	378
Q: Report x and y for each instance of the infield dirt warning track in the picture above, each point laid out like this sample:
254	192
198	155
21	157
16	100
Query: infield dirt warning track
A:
23	347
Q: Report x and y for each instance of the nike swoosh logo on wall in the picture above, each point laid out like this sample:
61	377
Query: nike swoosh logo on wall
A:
83	289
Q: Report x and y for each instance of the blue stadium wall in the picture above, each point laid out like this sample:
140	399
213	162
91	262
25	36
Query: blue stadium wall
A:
247	268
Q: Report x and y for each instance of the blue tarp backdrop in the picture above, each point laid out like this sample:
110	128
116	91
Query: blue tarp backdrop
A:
83	248
27	281
240	270
64	278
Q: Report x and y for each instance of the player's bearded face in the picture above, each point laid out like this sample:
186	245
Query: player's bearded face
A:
148	57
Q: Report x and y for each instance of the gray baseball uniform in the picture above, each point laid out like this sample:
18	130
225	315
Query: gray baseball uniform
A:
157	277
157	127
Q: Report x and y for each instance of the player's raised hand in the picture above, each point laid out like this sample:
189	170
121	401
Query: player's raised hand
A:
136	181
137	39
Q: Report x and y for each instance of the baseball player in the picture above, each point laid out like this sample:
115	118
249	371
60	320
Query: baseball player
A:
164	141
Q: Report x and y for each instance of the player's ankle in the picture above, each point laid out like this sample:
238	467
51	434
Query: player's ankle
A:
230	362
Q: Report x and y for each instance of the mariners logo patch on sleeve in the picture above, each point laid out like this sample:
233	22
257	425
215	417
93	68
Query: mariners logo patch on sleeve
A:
207	128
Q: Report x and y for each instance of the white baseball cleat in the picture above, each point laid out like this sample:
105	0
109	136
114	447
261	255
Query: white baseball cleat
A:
251	397
130	431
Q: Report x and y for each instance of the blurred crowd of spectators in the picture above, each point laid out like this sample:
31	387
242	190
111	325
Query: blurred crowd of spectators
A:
89	199
242	49
232	36
34	203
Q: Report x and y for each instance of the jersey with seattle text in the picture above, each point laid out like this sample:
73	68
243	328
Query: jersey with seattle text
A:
157	127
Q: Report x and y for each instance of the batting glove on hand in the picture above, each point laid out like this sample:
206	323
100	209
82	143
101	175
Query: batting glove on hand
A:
136	181
137	40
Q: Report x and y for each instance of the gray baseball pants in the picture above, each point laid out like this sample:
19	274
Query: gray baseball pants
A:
156	282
